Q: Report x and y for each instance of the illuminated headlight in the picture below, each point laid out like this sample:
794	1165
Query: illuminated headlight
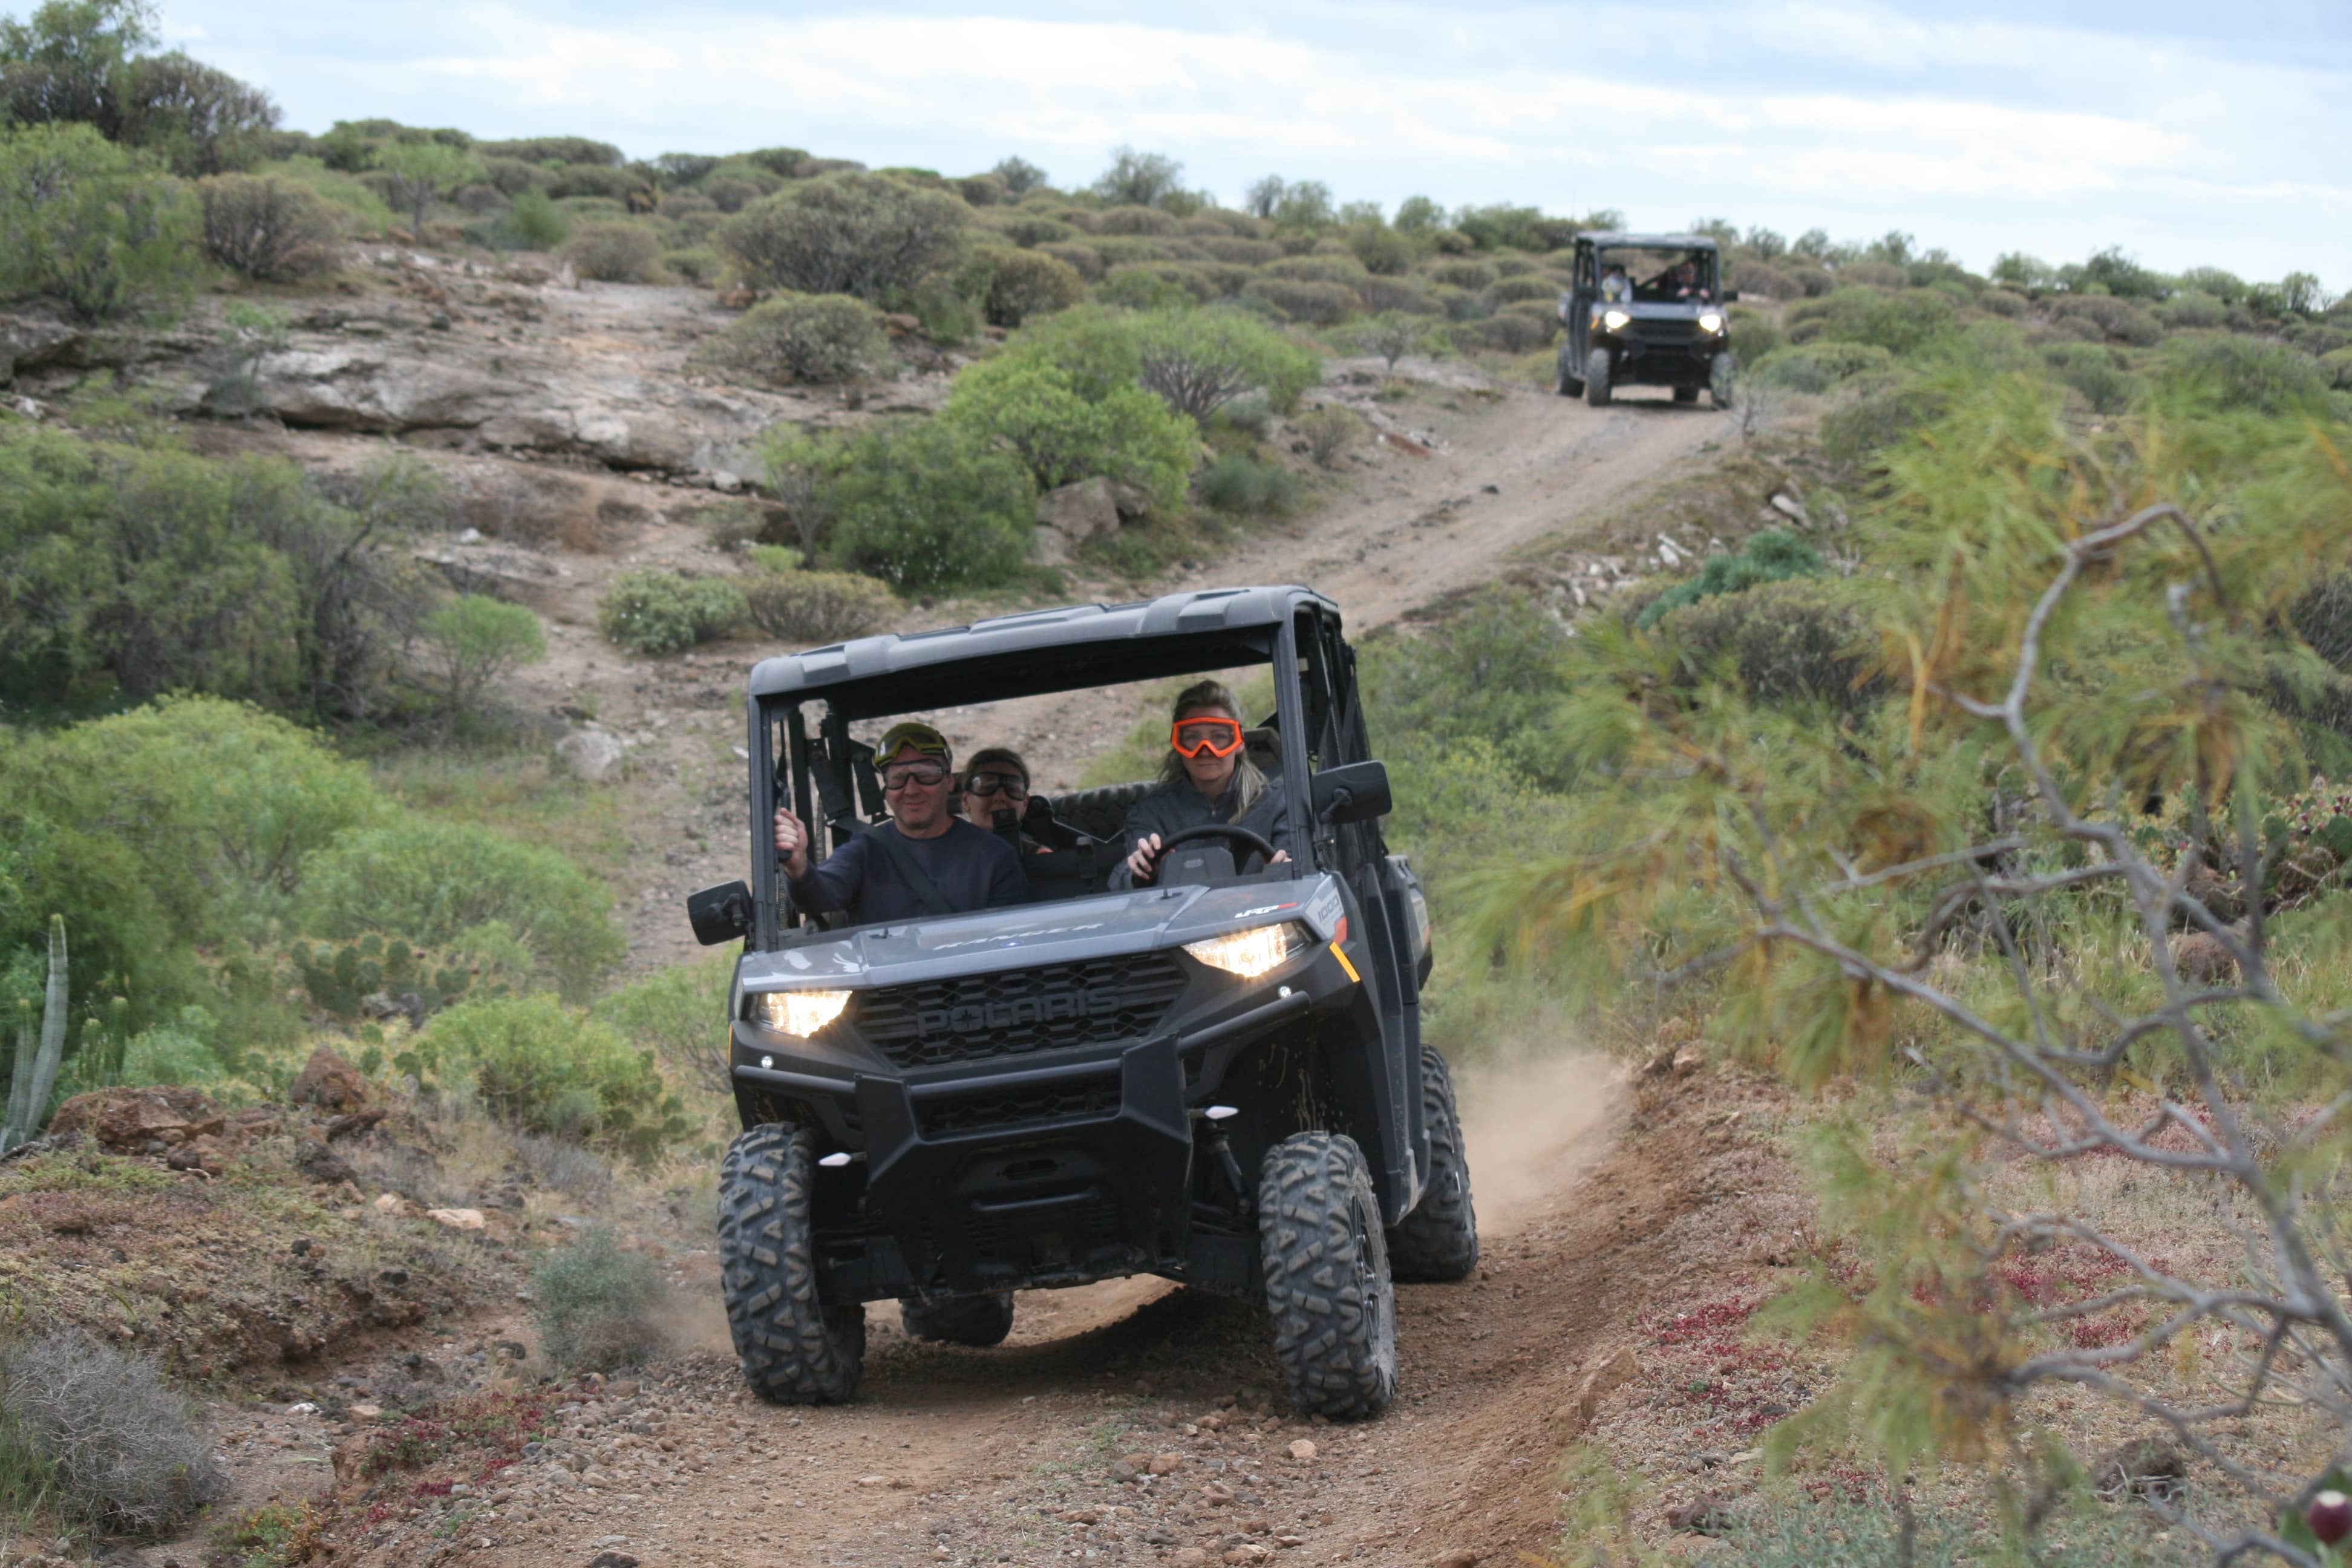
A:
1709	321
798	1012
1419	905
1616	321
1250	953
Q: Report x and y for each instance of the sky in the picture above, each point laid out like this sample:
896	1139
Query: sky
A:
2189	134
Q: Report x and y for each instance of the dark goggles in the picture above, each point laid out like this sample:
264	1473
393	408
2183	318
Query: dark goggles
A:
898	775
1009	786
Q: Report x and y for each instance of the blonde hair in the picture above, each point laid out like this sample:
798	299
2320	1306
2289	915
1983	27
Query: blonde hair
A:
1249	779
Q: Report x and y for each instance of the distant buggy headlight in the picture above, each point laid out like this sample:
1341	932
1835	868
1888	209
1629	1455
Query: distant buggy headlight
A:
1250	953
802	1013
1710	321
1616	321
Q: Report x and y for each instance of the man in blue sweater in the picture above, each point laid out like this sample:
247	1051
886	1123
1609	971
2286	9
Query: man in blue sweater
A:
932	862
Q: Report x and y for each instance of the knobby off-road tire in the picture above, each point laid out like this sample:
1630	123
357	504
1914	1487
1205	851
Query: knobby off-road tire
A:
795	1349
1438	1241
1565	381
1596	378
1720	378
1326	1276
976	1321
1685	394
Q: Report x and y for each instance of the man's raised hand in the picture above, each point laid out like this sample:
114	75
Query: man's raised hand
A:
792	843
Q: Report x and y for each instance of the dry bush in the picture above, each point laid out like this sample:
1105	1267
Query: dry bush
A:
2119	320
1471	275
597	1304
1087	261
1344	270
1525	286
614	252
810	609
813	339
1384	294
113	1440
1317	304
1329	433
563	1166
1240	252
1134	220
267	229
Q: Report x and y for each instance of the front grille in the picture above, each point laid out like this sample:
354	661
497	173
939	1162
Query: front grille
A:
1019	1012
1030	1105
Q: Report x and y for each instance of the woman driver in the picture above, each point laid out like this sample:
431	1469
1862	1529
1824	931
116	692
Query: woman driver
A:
1206	778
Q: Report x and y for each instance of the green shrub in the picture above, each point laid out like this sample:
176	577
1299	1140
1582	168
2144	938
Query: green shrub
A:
472	640
1509	332
1035	411
1027	283
96	1437
597	1304
1753	333
82	223
2121	321
654	610
1084	259
926	505
1792	637
697	264
1473	275
1317	304
846	232
1771	556
1817	367
679	1013
1199	359
354	206
2225	372
2338	369
811	609
814	339
541	1066
1901	321
622	252
1381	249
1344	270
1529	286
415	175
1855	434
265	228
1145	287
1030	229
1240	484
2192	310
2094	371
1382	295
533	221
439	885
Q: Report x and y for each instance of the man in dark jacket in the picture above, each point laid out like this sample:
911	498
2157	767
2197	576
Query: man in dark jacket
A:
931	862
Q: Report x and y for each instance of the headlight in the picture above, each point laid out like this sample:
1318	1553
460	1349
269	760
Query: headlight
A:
1616	321
800	1013
1250	953
1419	905
1709	321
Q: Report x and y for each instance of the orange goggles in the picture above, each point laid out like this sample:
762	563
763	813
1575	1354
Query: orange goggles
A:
1205	737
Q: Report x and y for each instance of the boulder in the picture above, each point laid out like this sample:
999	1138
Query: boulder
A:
322	1165
1132	504
329	1082
27	342
1068	517
592	751
364	388
507	572
128	1121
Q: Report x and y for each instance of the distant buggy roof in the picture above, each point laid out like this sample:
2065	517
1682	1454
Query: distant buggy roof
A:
1617	240
1041	651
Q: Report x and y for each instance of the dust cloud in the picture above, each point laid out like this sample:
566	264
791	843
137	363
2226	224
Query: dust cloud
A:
1531	1120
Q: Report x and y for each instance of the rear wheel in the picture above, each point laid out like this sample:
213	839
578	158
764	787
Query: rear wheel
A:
1719	381
1438	1241
1326	1276
1596	378
795	1348
979	1321
1565	381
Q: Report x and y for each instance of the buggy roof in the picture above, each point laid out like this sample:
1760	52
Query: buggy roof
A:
1617	240
1041	651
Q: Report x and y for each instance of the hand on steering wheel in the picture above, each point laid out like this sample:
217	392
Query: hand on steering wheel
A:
1143	865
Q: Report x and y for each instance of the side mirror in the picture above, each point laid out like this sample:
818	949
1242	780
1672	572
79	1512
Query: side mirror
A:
1357	791
718	914
1731	296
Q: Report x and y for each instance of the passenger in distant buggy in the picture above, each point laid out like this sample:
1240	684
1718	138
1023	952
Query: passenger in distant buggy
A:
1206	777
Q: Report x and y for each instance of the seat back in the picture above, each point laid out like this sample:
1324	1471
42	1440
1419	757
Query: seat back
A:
1100	813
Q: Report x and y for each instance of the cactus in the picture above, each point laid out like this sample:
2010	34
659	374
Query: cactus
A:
37	1070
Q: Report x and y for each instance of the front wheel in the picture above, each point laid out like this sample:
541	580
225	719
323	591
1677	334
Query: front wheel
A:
1438	1241
1565	381
1685	394
1596	378
976	1321
1719	381
795	1348
1326	1276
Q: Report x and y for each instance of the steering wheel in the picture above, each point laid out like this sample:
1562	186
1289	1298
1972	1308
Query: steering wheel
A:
1242	836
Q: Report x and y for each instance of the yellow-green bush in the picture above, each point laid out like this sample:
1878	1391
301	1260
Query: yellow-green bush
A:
614	252
654	610
540	1065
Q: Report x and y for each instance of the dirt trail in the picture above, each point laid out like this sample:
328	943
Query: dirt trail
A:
1008	1454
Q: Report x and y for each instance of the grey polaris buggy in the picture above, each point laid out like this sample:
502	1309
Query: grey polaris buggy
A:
1634	319
1219	1080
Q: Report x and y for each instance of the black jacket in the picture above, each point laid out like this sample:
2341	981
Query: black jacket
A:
1174	808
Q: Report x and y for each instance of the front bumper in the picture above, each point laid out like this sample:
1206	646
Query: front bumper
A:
1049	1168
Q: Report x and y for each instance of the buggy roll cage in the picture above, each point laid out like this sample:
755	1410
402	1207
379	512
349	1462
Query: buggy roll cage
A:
1294	629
